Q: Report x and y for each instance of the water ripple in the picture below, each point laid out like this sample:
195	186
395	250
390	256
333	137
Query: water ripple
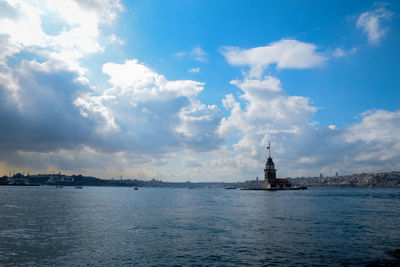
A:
45	226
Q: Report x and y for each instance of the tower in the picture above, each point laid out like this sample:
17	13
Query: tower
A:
269	171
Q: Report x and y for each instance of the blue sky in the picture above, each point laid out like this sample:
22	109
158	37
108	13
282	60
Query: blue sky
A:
193	90
329	25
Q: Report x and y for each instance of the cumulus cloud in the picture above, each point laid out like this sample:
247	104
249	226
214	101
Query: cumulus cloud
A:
268	109
376	126
150	114
38	113
376	138
38	95
371	23
52	115
285	54
299	146
268	112
23	28
138	80
265	111
51	111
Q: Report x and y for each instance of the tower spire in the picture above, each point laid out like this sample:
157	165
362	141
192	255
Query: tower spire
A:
269	150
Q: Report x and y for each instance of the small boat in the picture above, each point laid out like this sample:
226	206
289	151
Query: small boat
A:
59	186
299	188
136	188
230	187
78	185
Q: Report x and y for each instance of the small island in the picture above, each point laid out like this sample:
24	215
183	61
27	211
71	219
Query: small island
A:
271	183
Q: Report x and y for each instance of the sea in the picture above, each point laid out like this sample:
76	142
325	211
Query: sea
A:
111	226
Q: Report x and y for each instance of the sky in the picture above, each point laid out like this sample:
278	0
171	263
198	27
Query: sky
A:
196	90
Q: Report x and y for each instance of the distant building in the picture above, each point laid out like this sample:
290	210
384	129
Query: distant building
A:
56	178
270	180
17	179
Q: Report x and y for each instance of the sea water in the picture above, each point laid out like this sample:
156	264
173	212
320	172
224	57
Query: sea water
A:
109	226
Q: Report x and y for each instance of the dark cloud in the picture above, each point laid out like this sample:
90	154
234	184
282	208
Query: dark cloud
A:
38	113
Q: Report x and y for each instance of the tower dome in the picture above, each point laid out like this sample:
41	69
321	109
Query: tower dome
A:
270	164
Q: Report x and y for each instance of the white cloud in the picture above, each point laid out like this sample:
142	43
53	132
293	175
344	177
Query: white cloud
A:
143	124
57	113
143	84
339	52
78	37
285	53
299	146
143	105
268	108
194	70
140	121
268	111
371	23
22	29
376	126
180	54
114	39
197	53
191	162
307	160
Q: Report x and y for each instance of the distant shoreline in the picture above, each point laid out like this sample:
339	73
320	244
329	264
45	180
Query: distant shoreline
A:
363	180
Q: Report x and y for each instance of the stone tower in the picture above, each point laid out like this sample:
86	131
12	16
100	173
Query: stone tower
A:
270	171
270	180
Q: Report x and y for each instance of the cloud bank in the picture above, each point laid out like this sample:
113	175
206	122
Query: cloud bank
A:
143	125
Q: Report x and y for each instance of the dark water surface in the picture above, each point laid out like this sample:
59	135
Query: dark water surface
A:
166	226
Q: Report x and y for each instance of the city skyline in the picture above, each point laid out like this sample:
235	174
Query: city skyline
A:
185	90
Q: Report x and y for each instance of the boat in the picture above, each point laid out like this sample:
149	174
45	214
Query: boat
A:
299	188
78	185
136	188
230	187
59	186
